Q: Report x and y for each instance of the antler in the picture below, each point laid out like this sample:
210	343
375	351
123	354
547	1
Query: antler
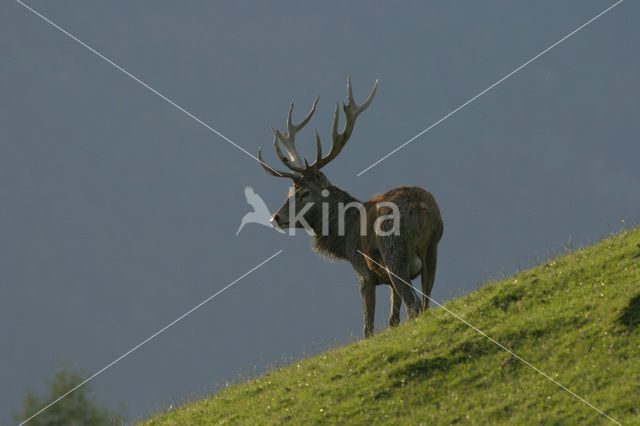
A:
272	171
294	162
338	140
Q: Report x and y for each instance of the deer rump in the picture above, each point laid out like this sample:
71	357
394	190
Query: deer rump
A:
420	228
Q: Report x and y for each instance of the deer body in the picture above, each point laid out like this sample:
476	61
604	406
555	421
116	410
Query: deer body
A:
399	228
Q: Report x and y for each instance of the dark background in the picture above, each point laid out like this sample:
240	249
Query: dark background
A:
118	212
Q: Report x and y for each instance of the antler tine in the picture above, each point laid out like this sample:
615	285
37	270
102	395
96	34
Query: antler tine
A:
351	112
295	128
289	162
318	147
294	162
350	98
366	103
271	171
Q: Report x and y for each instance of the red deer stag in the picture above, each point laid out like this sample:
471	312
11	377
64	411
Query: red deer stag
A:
399	229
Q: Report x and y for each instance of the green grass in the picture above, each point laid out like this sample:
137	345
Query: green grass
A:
577	318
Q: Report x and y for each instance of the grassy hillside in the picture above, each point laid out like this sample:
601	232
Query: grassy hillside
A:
576	318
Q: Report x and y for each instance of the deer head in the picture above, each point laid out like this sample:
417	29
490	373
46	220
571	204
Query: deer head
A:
310	185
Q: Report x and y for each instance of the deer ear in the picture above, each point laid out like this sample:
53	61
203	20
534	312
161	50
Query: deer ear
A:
322	179
313	174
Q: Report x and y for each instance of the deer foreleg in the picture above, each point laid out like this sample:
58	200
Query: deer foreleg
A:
368	295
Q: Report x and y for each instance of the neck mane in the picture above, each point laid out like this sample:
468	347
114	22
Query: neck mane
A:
333	245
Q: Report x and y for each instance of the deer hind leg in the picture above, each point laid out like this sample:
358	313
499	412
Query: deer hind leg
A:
396	304
398	271
428	274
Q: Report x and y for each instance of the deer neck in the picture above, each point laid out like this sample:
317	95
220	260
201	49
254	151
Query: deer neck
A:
330	242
